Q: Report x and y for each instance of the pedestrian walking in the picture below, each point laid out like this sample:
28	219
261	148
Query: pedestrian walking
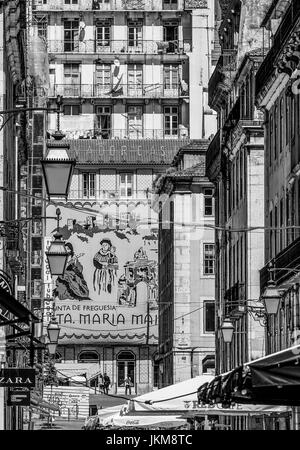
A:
128	384
101	383
106	383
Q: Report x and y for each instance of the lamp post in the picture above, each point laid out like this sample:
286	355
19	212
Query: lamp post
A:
57	254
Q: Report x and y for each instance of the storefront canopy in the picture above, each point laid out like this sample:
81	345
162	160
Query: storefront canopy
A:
39	403
271	380
10	306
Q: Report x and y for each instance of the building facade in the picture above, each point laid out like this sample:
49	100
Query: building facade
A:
186	268
277	94
133	79
12	155
235	164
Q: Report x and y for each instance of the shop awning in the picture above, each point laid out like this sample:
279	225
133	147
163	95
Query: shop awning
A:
9	305
271	380
38	402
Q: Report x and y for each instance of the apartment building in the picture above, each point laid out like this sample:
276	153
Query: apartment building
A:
132	76
186	268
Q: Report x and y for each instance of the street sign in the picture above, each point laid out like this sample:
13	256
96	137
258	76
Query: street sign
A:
14	377
18	397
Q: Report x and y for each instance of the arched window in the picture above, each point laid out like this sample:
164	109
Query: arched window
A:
88	356
125	367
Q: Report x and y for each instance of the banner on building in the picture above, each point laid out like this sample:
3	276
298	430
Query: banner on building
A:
110	285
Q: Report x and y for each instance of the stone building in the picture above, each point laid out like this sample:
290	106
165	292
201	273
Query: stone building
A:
235	164
186	268
277	95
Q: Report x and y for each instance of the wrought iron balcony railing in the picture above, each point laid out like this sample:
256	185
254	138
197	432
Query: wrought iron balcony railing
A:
286	263
109	194
133	132
134	46
118	5
155	90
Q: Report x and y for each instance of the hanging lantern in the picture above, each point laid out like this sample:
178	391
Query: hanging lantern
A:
227	329
58	169
53	330
271	298
57	255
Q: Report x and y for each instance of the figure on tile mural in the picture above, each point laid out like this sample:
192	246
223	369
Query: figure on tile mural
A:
106	265
72	284
139	282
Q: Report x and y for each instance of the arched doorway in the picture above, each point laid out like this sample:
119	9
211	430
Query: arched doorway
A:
125	368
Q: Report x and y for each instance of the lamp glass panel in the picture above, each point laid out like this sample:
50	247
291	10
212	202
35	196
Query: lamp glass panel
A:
53	332
227	335
271	304
57	263
51	348
58	177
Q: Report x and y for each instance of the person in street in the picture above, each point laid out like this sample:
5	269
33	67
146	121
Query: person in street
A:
101	382
128	384
106	383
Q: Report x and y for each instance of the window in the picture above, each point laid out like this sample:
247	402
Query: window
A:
88	356
287	118
135	32
103	114
71	35
271	140
170	4
135	121
171	76
103	34
275	131
209	317
135	79
71	110
88	184
171	120
171	36
208	202
102	79
281	126
71	80
71	2
126	185
42	27
209	259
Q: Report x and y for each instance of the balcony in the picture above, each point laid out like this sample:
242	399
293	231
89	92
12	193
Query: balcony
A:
284	30
222	76
119	47
134	132
114	5
195	4
213	157
126	90
287	260
109	195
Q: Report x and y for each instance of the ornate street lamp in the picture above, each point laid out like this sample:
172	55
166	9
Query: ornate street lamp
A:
53	330
57	254
227	329
57	166
271	296
57	170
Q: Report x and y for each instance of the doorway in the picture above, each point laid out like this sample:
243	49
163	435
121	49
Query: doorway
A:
126	368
